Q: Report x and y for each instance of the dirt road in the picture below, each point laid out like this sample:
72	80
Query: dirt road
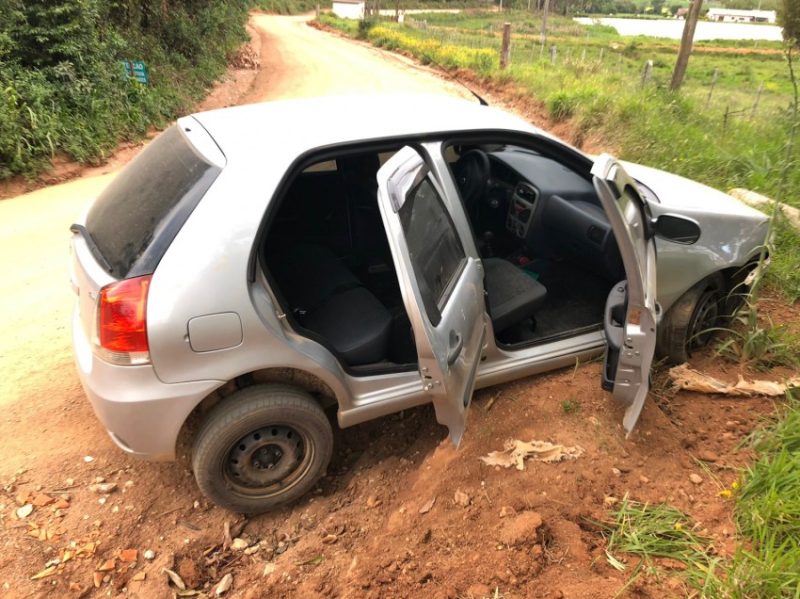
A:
313	63
387	521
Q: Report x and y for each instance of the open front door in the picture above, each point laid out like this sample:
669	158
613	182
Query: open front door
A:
442	286
631	311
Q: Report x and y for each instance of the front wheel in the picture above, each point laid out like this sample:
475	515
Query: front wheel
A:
262	447
689	325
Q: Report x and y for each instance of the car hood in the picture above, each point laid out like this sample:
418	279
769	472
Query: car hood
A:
681	195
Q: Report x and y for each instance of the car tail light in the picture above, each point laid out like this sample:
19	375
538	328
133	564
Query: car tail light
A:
121	336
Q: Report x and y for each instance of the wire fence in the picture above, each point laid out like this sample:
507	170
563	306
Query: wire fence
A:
526	49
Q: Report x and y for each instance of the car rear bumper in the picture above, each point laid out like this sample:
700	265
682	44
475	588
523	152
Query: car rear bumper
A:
142	414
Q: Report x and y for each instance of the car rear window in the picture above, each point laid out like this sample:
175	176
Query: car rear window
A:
134	220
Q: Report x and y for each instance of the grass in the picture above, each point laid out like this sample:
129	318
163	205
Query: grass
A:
570	406
768	514
766	563
652	531
752	342
597	83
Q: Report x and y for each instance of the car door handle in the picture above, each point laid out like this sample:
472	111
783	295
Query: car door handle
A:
614	323
456	345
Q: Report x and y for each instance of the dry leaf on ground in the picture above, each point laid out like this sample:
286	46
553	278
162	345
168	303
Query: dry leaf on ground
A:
688	379
516	451
176	580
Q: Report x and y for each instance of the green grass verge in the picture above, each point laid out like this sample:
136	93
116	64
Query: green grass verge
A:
767	566
768	513
652	531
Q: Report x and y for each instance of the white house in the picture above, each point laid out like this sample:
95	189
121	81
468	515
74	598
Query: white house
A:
349	9
730	15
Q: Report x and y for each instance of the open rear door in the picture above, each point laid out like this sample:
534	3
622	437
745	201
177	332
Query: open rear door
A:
631	311
442	286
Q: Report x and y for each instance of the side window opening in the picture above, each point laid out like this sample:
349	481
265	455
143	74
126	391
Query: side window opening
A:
327	255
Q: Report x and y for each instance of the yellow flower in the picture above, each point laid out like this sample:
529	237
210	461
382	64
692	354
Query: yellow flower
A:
727	493
678	526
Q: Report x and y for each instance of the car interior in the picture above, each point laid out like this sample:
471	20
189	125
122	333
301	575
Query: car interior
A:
549	254
544	219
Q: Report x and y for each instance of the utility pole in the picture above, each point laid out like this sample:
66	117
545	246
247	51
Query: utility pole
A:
687	41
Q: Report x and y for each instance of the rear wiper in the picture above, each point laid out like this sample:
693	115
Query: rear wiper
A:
87	237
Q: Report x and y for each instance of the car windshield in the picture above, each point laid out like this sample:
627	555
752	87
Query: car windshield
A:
136	218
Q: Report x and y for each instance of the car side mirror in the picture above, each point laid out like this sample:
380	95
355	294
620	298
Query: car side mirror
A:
678	229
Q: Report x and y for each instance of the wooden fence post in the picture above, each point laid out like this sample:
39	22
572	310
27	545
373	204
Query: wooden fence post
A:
713	85
647	73
505	50
758	100
553	55
318	11
725	120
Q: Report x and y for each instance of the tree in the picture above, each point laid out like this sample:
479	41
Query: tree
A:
543	34
789	18
687	41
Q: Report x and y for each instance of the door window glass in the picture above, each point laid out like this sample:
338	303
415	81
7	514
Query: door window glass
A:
433	244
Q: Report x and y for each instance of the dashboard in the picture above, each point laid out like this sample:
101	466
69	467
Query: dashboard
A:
551	210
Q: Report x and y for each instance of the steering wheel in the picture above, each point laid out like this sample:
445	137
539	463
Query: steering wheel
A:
472	173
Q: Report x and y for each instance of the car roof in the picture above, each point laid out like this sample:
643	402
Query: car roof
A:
296	126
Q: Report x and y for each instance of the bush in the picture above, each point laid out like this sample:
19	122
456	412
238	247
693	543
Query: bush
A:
62	80
363	28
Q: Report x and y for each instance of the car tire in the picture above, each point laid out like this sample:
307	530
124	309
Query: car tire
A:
262	447
699	309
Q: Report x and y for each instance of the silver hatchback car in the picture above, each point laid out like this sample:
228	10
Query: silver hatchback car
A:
256	265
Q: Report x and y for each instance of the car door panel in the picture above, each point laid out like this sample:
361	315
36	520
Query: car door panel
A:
441	285
631	312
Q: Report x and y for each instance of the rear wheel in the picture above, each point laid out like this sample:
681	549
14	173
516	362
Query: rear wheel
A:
689	324
262	447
